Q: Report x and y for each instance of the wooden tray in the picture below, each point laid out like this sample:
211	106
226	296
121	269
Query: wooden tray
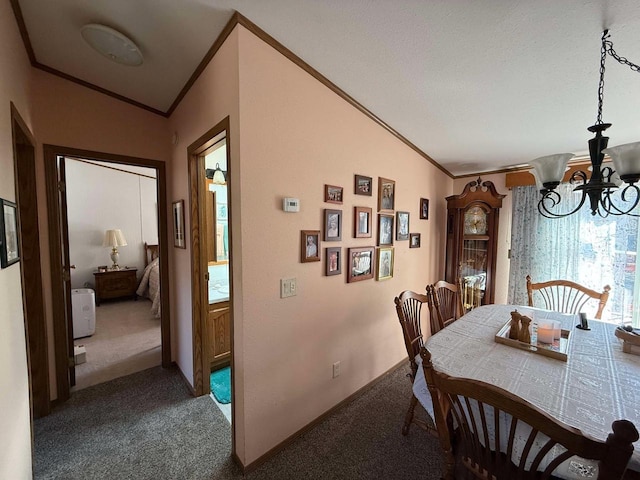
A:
558	349
630	341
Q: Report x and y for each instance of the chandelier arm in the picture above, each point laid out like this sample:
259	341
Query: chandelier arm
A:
553	198
577	176
611	208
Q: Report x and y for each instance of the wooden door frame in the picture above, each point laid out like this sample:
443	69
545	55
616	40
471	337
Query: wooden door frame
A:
199	262
31	270
51	153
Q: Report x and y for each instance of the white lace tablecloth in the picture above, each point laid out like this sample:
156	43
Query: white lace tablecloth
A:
597	385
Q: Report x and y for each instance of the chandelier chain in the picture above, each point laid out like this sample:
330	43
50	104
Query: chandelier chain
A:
607	48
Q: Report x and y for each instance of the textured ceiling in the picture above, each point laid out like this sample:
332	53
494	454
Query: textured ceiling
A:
476	84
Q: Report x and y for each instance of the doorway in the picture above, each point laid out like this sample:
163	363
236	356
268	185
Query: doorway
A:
210	179
113	235
55	177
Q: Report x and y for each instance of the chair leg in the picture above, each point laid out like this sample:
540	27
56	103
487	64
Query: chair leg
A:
409	417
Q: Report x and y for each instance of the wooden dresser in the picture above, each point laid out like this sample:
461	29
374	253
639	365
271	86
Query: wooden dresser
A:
116	284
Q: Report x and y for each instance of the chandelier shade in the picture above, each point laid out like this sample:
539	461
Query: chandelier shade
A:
549	170
626	161
604	182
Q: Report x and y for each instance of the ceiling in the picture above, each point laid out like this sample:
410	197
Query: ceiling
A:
478	85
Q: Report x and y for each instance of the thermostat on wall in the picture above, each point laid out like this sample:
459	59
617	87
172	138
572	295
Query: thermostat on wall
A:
290	204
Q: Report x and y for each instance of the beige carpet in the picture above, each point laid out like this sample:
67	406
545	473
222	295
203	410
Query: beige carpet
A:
127	340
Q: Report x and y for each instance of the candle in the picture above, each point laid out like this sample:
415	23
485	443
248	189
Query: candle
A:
556	330
545	332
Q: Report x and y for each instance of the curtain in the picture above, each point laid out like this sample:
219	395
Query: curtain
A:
583	248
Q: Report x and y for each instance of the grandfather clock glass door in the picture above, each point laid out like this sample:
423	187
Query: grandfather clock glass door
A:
472	231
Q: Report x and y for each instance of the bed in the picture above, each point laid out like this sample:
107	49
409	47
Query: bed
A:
149	286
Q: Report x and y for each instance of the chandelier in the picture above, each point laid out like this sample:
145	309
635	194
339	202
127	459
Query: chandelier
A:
605	181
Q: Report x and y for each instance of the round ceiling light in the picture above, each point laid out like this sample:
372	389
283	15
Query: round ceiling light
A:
112	44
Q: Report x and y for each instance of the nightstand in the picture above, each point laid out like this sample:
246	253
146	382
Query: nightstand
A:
116	284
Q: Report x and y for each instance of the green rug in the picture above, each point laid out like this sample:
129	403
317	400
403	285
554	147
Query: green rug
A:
220	382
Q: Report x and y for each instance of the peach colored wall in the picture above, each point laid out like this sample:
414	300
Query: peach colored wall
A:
69	115
15	428
295	136
504	231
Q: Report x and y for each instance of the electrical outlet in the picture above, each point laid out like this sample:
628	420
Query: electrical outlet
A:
287	287
336	369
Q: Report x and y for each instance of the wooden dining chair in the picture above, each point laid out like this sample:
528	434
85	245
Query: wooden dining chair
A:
445	305
409	307
502	436
566	296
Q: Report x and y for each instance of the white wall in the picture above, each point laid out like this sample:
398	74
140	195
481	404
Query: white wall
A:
99	199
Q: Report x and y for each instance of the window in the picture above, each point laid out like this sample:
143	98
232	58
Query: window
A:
586	249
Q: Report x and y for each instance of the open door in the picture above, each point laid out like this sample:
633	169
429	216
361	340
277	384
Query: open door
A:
66	267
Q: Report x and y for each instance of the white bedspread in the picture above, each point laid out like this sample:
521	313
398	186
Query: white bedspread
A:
150	286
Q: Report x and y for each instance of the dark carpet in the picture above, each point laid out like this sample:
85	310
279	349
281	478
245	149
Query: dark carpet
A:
148	426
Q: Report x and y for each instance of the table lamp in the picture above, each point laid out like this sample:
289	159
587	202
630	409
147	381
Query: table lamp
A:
114	238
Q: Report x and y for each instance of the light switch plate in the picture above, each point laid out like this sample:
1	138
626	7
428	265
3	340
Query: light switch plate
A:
288	287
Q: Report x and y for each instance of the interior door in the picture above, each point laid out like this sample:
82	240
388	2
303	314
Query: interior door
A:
66	266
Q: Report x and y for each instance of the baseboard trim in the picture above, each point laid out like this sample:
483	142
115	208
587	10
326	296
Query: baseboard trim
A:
184	379
286	442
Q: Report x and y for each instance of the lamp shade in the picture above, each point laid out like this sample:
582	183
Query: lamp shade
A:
218	176
114	238
550	169
626	160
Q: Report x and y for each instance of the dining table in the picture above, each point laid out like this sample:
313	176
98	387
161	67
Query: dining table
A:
597	384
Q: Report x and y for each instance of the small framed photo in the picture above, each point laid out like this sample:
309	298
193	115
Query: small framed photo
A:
414	240
9	245
332	194
333	259
402	226
424	208
386	194
385	229
309	246
360	264
385	263
179	240
332	225
363	185
362	222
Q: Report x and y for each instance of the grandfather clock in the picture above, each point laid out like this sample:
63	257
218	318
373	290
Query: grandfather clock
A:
472	234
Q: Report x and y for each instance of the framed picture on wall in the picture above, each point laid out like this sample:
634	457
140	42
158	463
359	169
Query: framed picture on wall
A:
402	225
360	264
362	222
309	246
414	240
332	225
9	249
179	240
384	268
332	194
385	229
386	194
363	185
333	259
424	208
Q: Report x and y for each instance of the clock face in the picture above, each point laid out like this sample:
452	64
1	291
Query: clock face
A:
475	221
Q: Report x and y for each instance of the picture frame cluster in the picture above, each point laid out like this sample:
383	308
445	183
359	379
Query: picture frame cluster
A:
362	262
